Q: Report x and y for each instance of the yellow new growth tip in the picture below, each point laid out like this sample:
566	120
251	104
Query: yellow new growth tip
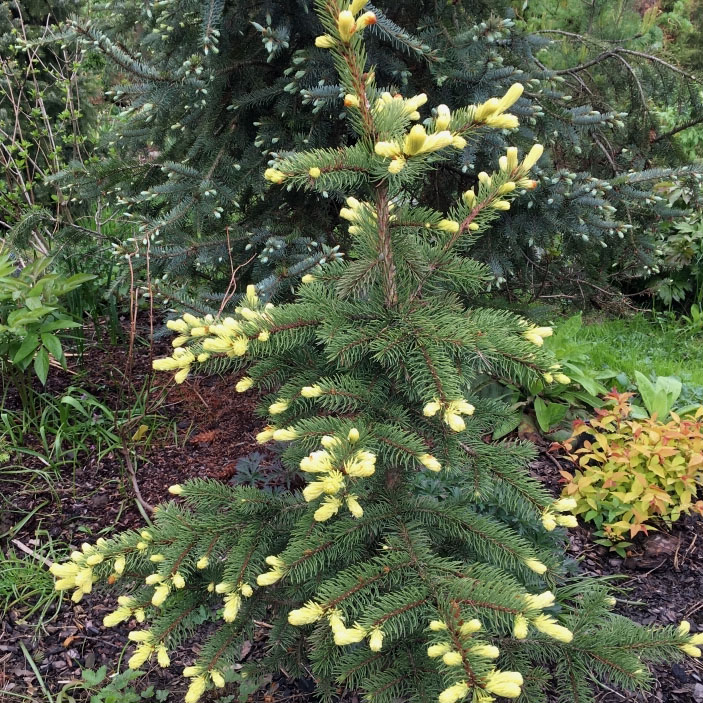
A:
277	572
430	462
491	112
346	26
311	612
454	693
533	157
280	406
434	651
537	335
443	118
504	683
285	434
535	565
470	627
311	391
376	640
549	626
354	506
450	226
265	435
141	654
365	20
116	617
549	521
452	658
487	651
274	175
325	41
328	508
520	627
317	462
196	689
233	602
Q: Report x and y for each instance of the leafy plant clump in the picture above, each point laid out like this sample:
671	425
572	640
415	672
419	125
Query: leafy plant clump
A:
568	391
30	317
367	582
634	473
106	689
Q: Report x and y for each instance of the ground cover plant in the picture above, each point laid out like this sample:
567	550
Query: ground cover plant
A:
554	399
48	118
364	578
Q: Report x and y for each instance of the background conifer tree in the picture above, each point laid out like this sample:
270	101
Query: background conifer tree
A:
212	93
366	578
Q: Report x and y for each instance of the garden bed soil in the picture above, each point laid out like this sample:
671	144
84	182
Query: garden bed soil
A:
661	583
662	578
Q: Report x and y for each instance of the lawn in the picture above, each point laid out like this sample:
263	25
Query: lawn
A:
641	344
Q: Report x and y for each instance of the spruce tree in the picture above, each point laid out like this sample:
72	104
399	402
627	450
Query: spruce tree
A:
211	94
368	579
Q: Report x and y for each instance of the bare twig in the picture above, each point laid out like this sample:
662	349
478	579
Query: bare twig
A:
31	552
232	285
133	477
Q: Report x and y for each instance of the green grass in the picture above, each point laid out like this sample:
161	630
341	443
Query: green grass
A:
641	344
27	585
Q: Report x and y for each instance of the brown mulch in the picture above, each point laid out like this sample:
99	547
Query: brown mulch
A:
661	583
205	428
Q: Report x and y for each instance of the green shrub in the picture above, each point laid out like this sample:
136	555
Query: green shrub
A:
31	318
679	260
47	119
102	688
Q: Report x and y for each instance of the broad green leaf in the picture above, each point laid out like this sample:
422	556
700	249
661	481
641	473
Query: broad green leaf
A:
569	328
28	346
61	324
76	280
638	412
41	365
588	383
94	678
53	345
671	387
18	318
33	302
549	414
506	427
6	266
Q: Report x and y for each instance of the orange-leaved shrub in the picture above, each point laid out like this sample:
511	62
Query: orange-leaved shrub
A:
632	473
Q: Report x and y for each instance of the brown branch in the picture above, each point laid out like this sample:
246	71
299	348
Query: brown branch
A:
680	128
